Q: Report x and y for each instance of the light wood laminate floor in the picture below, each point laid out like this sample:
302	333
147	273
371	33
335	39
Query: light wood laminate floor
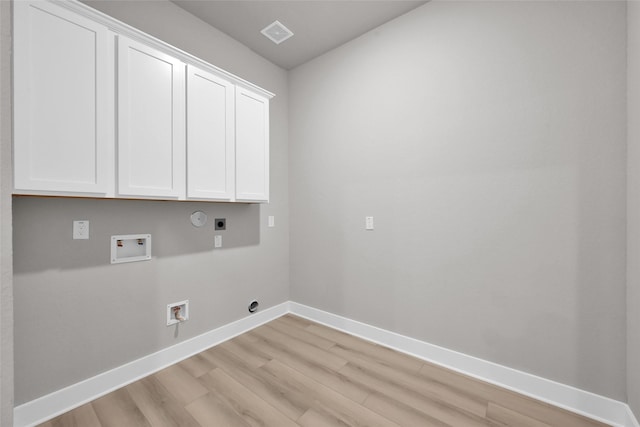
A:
293	372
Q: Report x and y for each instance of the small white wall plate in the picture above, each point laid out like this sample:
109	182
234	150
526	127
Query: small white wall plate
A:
198	218
81	230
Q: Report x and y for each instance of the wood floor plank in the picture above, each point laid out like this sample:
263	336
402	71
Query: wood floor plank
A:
544	412
300	348
525	405
447	413
83	416
511	418
293	320
312	418
301	334
197	365
253	410
182	386
117	409
291	403
382	354
326	401
157	404
319	373
246	350
293	372
211	410
430	389
399	412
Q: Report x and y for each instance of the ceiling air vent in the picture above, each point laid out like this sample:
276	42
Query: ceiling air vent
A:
276	32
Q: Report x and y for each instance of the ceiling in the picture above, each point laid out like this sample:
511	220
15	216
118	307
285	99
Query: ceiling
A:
318	26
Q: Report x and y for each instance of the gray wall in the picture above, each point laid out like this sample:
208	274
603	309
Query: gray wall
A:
633	207
6	262
488	140
77	315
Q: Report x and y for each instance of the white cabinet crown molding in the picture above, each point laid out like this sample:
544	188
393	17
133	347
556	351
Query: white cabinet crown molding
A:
121	28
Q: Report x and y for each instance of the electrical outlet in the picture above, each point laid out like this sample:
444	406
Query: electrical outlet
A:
217	241
272	221
81	230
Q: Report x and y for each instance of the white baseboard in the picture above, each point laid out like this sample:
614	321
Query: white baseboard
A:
579	401
46	407
582	402
631	419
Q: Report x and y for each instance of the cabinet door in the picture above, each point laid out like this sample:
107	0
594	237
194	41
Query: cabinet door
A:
150	122
210	136
252	147
61	138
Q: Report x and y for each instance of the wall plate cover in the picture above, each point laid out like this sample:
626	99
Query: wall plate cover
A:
368	223
80	230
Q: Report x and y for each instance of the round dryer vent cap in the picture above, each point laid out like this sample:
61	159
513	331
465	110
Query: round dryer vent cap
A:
198	218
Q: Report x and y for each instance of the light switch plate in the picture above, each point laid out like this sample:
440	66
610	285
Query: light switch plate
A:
272	221
81	230
368	223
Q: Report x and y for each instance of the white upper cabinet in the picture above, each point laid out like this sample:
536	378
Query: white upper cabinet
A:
252	146
104	110
151	137
210	136
61	91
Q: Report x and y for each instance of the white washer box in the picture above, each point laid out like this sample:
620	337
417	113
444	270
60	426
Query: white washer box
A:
184	312
130	248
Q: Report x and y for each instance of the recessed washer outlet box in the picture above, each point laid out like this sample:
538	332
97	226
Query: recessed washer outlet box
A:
130	248
177	312
221	223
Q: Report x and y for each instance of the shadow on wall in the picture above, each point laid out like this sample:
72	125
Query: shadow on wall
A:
42	229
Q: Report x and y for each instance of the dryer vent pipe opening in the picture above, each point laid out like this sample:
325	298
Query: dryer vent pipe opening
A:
253	306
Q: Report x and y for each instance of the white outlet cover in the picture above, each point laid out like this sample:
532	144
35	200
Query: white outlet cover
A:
217	241
272	221
368	223
81	230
